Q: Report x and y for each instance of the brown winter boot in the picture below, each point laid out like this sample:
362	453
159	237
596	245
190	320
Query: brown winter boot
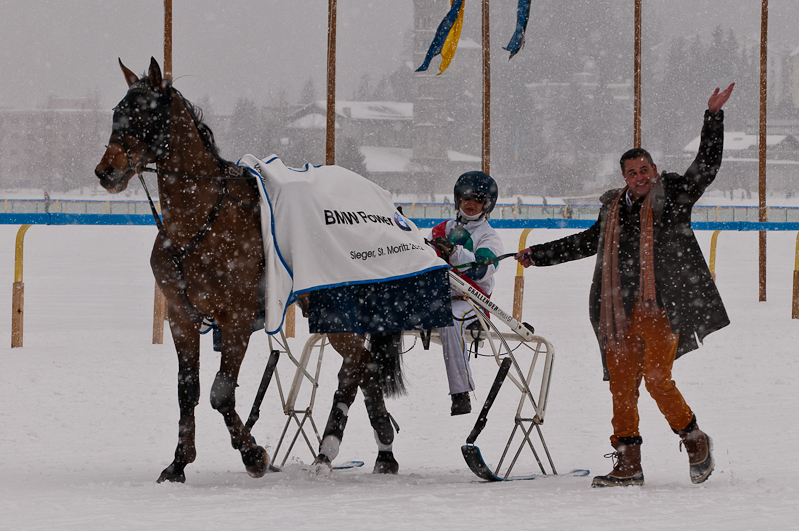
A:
626	464
699	447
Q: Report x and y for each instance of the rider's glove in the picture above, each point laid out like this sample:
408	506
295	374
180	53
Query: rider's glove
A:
443	246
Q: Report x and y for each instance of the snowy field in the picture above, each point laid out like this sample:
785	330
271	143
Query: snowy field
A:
88	414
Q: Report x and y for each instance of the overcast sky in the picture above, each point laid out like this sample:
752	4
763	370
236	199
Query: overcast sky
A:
227	49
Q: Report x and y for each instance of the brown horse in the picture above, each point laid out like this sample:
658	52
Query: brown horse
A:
208	261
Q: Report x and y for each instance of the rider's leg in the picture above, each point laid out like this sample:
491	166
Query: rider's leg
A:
455	342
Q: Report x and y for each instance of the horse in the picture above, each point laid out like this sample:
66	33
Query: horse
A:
208	261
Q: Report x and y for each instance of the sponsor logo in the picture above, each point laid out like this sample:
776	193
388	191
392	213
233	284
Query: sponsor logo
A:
400	221
334	217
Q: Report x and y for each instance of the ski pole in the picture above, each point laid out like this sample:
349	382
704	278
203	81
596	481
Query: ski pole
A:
492	395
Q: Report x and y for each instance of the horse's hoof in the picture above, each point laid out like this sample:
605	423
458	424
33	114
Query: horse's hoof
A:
173	474
385	464
256	461
321	467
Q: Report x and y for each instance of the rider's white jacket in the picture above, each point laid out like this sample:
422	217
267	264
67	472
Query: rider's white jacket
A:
474	241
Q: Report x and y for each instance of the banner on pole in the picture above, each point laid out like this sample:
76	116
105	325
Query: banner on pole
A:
446	39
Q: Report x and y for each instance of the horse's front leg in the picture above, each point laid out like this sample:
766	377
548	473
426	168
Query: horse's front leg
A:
235	339
186	336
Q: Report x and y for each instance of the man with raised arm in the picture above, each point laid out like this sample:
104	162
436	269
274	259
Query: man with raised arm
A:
652	294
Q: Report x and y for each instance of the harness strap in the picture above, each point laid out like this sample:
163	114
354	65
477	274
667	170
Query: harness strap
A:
177	257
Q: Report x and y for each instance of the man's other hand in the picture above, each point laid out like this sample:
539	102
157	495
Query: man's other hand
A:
525	258
718	99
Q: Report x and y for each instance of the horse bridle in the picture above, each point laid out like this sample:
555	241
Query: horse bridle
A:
154	134
156	138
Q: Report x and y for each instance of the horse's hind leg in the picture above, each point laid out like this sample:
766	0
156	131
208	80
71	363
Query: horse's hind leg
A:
350	346
378	415
223	399
186	336
358	369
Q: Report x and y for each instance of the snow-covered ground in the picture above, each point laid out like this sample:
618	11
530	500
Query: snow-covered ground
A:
88	412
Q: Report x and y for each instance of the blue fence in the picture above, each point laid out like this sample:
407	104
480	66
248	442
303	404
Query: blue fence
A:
422	223
726	213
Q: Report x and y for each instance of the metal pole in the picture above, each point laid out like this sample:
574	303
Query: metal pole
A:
330	143
168	39
762	212
637	77
159	314
486	90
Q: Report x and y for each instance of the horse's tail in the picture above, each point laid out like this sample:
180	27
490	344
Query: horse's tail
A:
386	348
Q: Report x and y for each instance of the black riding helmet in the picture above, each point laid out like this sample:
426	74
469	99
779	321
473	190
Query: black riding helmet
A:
477	183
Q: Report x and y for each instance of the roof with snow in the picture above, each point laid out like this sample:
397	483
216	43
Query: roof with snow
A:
738	141
362	110
311	121
398	160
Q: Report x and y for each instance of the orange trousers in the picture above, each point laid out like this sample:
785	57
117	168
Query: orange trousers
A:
649	352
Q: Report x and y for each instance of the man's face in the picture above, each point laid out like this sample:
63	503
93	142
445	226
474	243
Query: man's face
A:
640	176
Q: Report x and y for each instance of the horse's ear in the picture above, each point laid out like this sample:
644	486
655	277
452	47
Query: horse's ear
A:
130	77
156	79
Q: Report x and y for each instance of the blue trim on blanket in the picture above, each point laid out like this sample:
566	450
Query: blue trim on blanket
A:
375	280
292	296
298	170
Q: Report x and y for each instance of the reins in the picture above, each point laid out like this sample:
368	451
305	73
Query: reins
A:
234	173
486	262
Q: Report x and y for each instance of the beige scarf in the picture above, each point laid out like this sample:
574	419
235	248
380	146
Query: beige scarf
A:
612	317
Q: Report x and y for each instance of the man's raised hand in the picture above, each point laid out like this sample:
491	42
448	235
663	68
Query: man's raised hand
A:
718	99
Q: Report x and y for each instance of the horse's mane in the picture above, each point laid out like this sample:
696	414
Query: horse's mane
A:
196	113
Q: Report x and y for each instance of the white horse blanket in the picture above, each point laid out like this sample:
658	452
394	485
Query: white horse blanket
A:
326	226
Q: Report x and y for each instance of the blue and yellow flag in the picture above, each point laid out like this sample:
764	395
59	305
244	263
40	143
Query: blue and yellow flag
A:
522	16
446	40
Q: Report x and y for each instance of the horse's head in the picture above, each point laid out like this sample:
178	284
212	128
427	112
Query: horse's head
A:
140	131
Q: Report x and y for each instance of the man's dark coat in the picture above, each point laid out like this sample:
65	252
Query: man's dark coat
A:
685	287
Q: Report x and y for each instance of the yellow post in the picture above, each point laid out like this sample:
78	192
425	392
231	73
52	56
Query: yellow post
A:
713	240
18	292
159	313
795	303
518	285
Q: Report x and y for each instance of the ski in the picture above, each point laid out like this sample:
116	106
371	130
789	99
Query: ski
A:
474	459
346	465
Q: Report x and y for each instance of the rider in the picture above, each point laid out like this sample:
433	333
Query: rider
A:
466	239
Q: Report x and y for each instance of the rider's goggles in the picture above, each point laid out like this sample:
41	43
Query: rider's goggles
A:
477	198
